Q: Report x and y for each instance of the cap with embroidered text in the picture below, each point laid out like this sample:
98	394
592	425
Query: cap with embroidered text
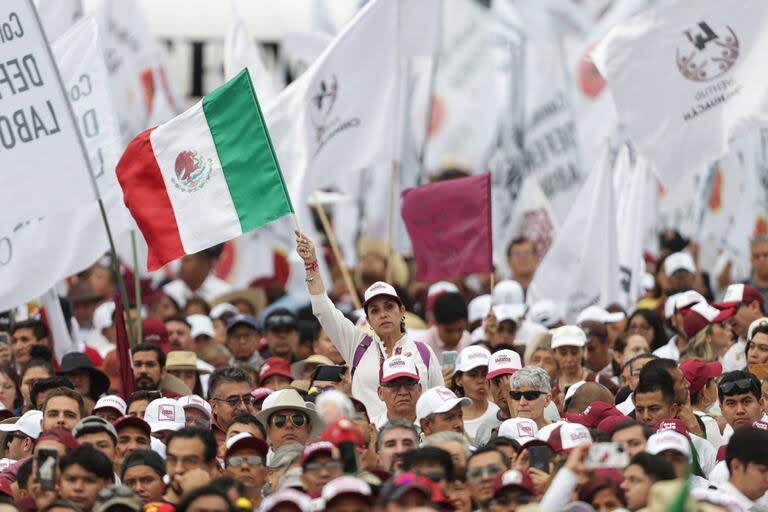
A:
503	362
438	400
399	366
379	289
111	402
472	357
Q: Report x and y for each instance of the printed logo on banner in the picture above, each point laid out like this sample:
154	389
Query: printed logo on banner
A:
321	104
708	54
191	171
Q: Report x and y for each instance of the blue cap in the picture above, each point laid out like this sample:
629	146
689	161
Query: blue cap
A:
242	320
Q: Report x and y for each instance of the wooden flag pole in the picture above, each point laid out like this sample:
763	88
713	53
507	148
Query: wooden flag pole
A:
391	227
337	253
137	287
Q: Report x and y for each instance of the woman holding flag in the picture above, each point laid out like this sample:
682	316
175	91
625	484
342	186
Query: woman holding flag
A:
365	353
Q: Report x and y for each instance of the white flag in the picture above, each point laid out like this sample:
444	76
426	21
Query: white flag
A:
582	266
684	79
58	15
241	52
635	221
37	253
43	166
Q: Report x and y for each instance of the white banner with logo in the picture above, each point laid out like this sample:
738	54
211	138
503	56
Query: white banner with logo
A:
684	79
43	169
37	253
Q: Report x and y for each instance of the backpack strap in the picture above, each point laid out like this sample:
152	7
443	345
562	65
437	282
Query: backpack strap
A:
359	353
423	352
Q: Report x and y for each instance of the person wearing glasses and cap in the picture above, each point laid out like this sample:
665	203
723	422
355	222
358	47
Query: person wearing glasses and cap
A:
245	461
364	353
288	420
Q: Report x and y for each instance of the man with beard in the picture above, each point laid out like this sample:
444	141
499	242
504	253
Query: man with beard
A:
149	368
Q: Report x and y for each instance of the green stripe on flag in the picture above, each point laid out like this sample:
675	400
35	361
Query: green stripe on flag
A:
246	154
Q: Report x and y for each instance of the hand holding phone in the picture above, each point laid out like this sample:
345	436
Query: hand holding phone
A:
606	455
539	457
47	462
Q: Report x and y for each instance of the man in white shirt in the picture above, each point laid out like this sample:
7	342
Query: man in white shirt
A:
399	389
747	460
196	278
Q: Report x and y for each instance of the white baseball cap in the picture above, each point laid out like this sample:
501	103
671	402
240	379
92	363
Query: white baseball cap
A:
502	362
572	390
568	335
346	485
668	440
472	357
165	414
195	402
219	310
200	325
521	430
102	316
754	325
111	402
513	312
399	366
28	424
478	308
598	314
679	261
441	287
285	497
380	288
649	282
508	292
438	400
568	436
545	312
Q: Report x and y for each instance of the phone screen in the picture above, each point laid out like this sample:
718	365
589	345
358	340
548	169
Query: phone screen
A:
449	358
606	455
538	457
46	468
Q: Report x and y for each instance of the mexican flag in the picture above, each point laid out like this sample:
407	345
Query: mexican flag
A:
204	177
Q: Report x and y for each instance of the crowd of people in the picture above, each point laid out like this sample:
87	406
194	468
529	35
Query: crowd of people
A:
434	396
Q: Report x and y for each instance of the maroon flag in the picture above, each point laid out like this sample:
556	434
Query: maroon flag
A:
123	348
449	223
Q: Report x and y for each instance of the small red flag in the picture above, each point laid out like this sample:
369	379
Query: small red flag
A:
449	223
127	383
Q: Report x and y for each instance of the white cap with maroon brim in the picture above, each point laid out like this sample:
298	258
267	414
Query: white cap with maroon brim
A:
438	400
111	402
378	289
740	293
285	497
195	402
346	486
399	366
503	362
668	440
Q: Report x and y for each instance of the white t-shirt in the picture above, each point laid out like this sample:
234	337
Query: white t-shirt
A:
471	426
736	357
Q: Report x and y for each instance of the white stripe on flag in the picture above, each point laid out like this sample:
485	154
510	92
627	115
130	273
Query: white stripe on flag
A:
205	213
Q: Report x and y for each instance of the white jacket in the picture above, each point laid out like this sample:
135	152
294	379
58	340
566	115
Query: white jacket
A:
346	337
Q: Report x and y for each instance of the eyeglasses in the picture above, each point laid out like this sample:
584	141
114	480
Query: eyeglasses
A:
528	395
742	385
237	461
279	420
397	385
490	470
234	401
331	465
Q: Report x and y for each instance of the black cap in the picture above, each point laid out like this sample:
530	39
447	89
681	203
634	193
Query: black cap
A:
143	458
281	318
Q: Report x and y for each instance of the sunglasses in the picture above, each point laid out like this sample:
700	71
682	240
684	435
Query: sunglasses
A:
490	470
528	395
237	461
279	420
741	385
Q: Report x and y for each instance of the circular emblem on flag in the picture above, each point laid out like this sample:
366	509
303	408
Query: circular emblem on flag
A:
191	171
708	53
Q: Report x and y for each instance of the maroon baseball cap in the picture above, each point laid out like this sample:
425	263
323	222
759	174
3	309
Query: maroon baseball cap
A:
60	435
274	366
673	424
609	424
315	448
593	414
246	440
698	372
740	293
701	315
132	421
514	479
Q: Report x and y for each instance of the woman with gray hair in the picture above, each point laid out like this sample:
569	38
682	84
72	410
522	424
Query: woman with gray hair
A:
531	393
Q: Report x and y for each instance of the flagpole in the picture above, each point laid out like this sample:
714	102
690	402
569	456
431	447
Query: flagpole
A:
391	227
336	252
430	95
70	110
137	287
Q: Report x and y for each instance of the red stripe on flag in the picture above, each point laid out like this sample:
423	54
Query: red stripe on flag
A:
123	350
147	199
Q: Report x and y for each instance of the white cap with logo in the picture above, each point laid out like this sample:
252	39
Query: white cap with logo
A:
195	402
568	336
399	366
472	357
502	362
668	440
28	424
438	400
111	402
521	430
380	288
165	414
